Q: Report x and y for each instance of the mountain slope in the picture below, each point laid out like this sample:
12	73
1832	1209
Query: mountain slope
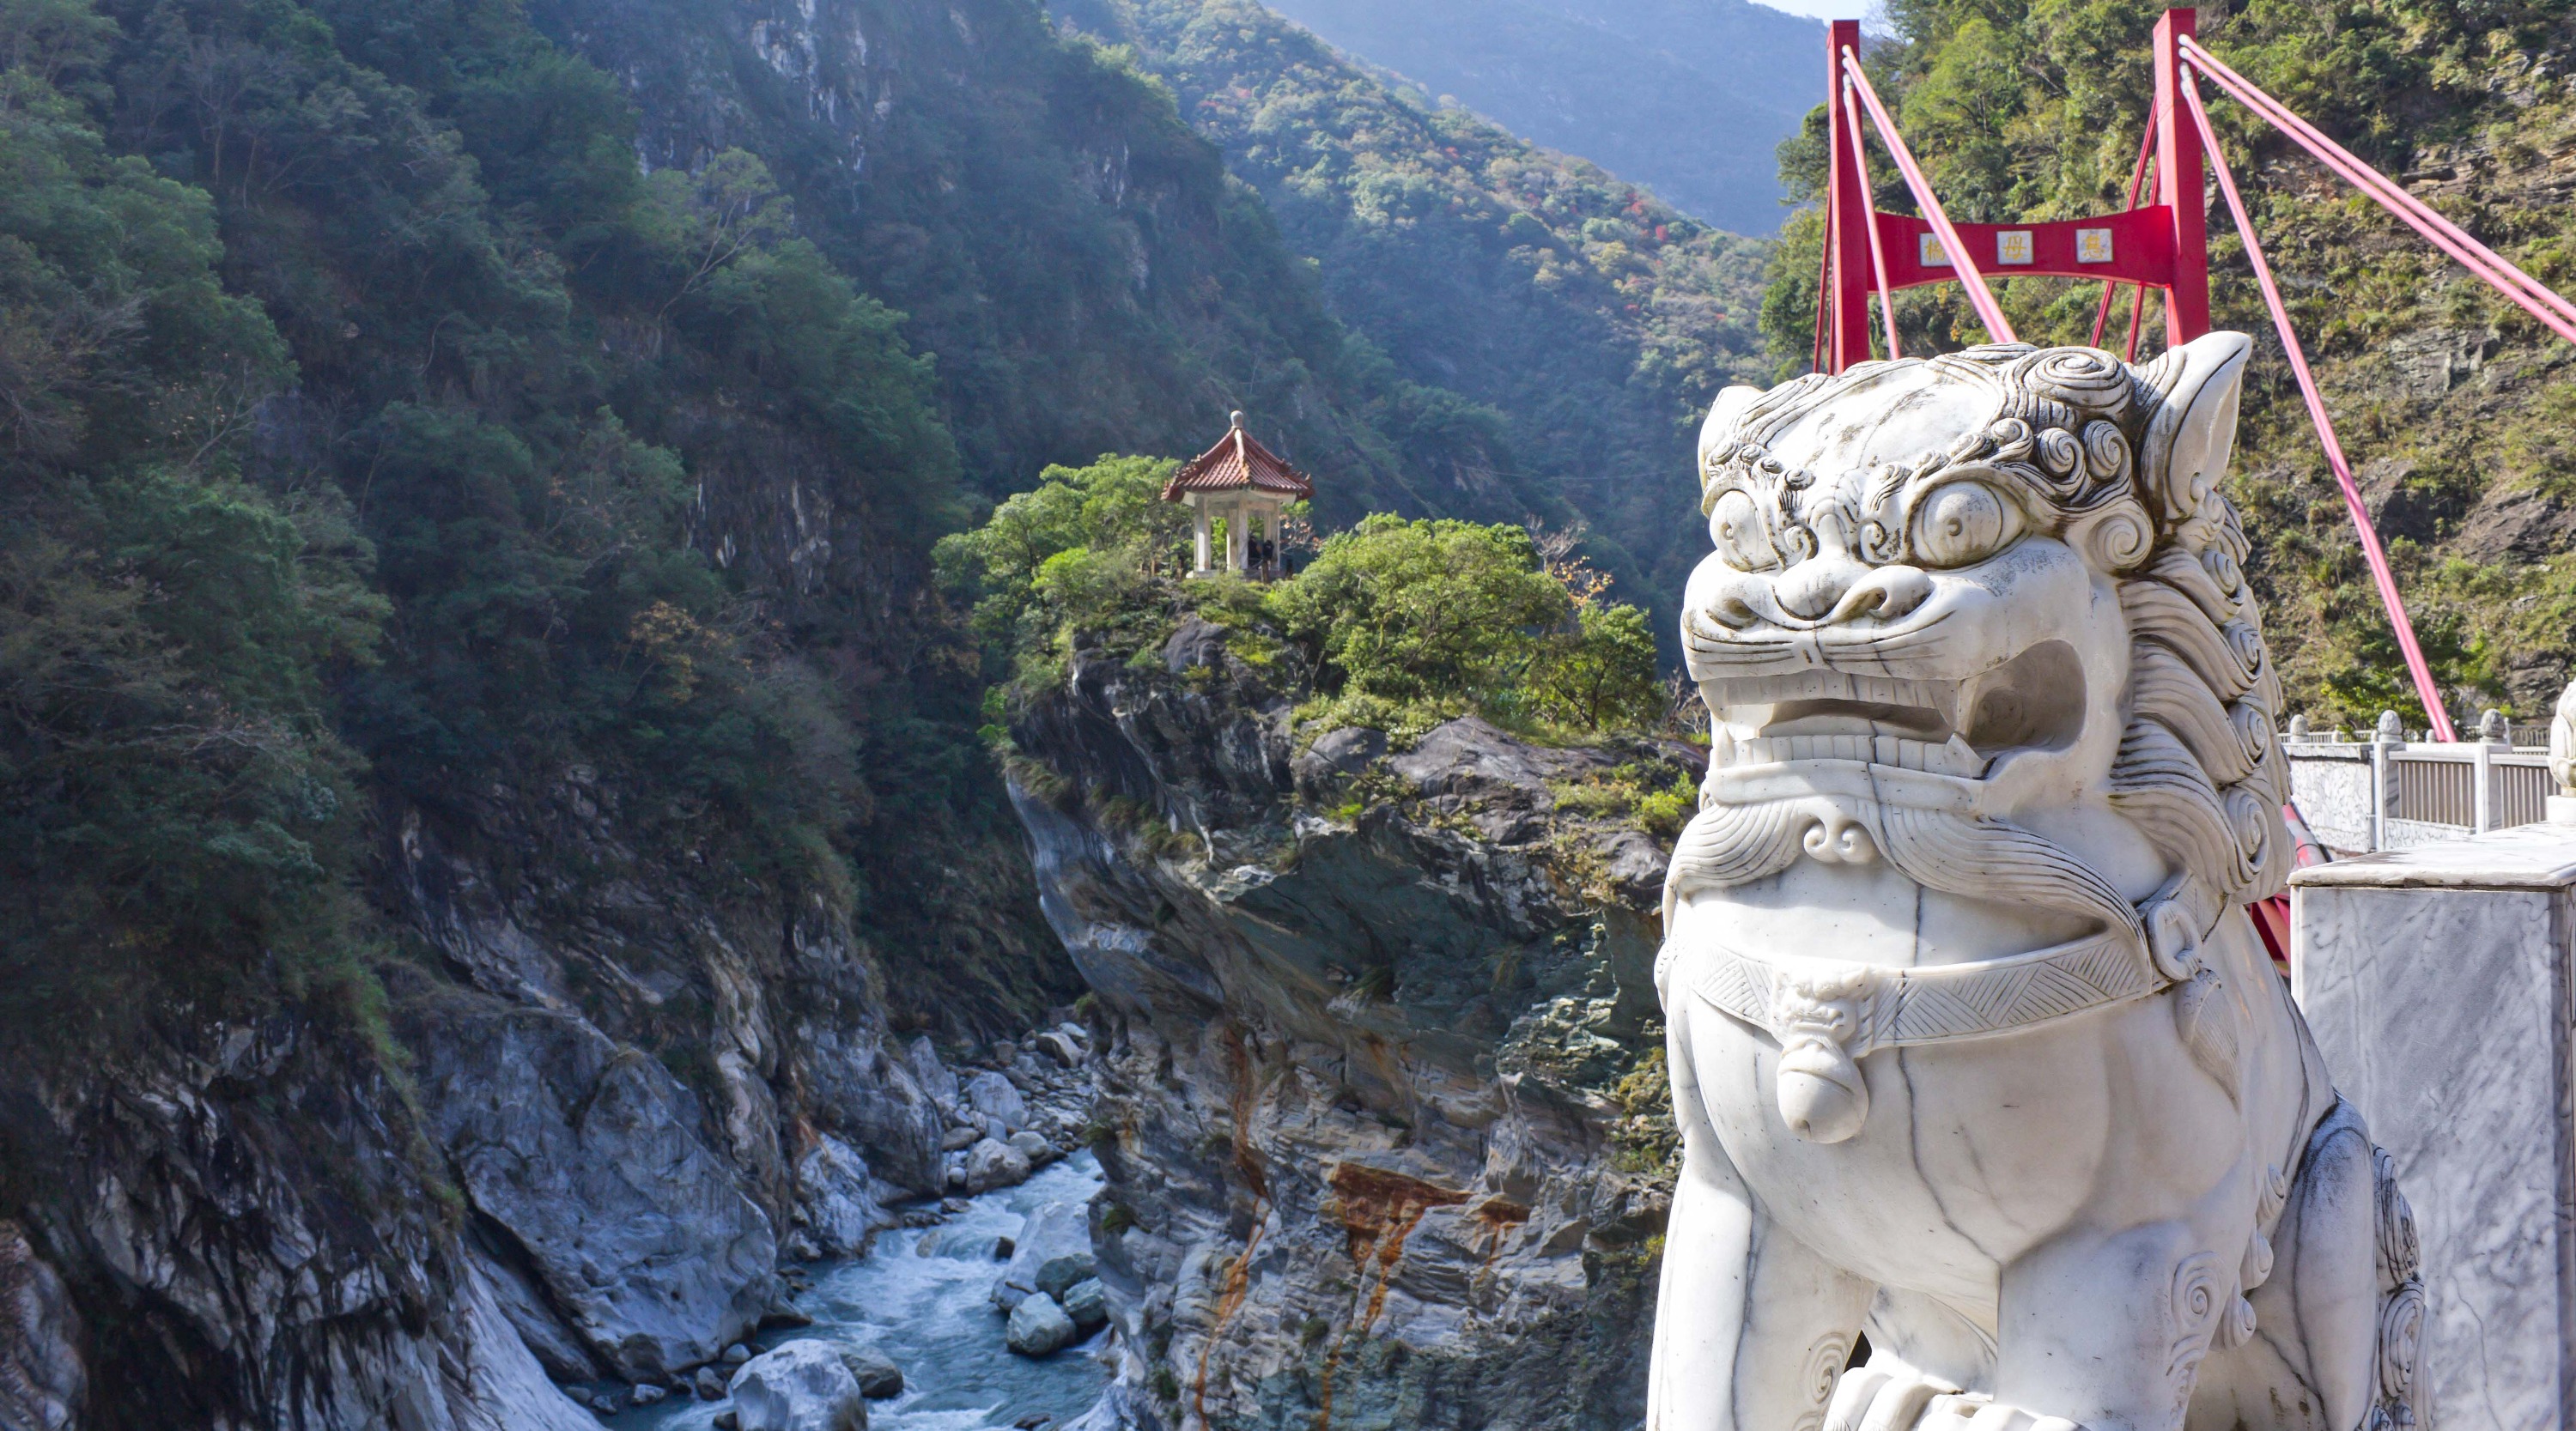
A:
1688	96
1596	320
1076	262
2450	401
466	623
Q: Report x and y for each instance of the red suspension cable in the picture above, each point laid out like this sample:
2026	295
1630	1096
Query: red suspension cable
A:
1980	297
2111	287
1877	251
2534	297
1824	296
2416	667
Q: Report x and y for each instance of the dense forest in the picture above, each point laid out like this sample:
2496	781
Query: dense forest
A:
2448	399
455	570
381	429
1593	318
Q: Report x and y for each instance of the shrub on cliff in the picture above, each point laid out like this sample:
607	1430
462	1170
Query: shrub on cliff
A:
1086	549
1394	623
1406	623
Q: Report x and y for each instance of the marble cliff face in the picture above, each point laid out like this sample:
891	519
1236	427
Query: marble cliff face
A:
1972	1046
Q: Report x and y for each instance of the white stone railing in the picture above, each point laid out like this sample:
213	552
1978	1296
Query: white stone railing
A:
2393	794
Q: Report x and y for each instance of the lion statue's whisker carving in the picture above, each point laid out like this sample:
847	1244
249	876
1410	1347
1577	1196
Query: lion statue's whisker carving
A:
1974	1049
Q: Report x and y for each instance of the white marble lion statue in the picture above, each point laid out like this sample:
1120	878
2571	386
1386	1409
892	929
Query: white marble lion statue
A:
1975	1050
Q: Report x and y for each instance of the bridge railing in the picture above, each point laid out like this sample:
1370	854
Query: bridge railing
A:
2365	793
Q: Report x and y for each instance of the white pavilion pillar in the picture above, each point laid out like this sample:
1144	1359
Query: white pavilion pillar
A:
1199	518
1235	537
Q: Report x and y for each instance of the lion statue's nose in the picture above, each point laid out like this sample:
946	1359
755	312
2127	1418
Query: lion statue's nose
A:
1833	588
1815	586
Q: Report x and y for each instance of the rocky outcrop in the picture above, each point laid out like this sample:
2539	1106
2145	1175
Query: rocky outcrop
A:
231	1232
586	1156
650	1087
42	1382
1376	1084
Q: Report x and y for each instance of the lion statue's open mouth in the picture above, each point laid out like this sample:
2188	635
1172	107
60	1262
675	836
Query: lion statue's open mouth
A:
1965	1014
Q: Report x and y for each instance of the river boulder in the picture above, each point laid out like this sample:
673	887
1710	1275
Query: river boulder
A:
991	1164
1087	1302
802	1386
993	1096
878	1376
1058	1274
1054	1230
1038	1326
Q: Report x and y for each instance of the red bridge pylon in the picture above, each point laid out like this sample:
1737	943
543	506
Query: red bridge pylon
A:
2163	245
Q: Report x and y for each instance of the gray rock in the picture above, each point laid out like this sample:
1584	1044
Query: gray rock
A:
607	1403
1517	1178
1087	1302
802	1386
1038	1326
993	1096
1053	1230
1031	1146
735	1355
1470	758
558	1348
1197	641
728	1420
646	1393
935	1077
958	1140
992	1165
878	1376
710	1384
587	1154
1080	1036
836	1204
1059	1273
42	1382
1056	1046
1336	756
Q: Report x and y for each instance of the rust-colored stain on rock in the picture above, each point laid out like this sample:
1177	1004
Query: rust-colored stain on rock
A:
1379	1208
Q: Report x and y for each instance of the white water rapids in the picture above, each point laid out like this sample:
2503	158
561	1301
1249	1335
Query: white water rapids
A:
933	1316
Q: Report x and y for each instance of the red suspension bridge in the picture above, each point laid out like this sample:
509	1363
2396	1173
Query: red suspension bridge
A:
2162	245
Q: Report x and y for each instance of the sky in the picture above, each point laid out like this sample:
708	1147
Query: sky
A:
1825	9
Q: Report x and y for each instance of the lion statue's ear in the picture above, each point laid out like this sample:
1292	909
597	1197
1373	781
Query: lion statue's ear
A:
2193	430
1723	414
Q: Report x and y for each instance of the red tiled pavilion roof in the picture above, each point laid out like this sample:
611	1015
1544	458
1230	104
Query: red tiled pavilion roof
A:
1235	463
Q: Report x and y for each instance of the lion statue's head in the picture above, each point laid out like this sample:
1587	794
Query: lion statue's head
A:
1984	616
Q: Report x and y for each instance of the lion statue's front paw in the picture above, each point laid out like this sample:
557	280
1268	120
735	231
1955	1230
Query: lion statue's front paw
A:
1877	1399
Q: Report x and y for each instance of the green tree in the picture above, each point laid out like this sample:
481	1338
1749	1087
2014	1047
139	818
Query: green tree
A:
1601	675
175	811
1070	550
1435	612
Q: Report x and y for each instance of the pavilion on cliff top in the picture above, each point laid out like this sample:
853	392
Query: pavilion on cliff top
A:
1246	484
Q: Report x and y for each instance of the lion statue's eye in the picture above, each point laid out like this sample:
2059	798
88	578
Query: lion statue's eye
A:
1735	525
1963	522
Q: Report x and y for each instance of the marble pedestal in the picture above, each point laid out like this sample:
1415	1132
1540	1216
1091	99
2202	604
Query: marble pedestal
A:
2437	982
